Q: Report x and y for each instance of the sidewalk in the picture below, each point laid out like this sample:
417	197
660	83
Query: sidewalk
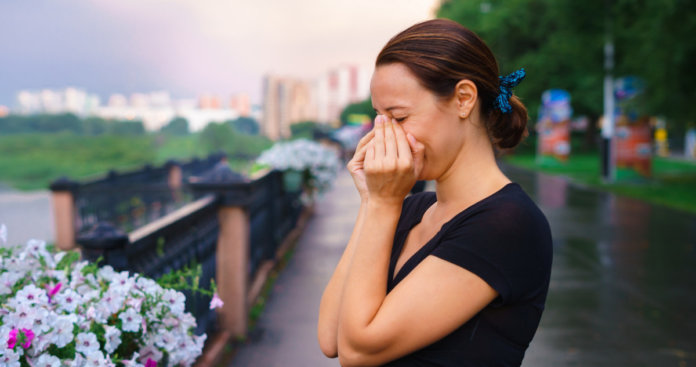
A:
286	333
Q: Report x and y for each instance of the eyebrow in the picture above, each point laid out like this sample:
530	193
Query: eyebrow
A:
391	108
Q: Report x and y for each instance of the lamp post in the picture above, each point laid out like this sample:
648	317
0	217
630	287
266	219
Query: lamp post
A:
608	164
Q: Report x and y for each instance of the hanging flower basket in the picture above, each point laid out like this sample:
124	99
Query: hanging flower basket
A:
315	164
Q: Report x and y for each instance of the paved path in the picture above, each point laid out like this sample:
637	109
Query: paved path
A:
27	215
285	335
621	291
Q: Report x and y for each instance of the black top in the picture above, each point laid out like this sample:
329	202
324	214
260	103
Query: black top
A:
506	241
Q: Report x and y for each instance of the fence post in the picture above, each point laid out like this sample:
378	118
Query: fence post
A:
106	241
232	255
231	268
63	201
174	179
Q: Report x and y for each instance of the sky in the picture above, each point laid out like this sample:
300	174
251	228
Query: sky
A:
189	47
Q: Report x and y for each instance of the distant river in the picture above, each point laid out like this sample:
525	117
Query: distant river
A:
27	215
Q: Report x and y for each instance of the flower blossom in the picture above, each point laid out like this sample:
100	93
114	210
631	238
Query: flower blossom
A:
216	302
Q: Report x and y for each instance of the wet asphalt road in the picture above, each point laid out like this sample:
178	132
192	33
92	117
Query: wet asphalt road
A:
622	289
623	280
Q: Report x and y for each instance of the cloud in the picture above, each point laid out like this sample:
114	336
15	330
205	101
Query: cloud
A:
193	46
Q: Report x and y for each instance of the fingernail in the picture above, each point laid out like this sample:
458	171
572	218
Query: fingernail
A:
378	120
411	138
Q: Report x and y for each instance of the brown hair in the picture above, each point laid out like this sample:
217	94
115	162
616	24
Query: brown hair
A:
440	53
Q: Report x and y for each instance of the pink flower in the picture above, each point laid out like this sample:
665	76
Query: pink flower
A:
216	302
55	289
29	337
52	291
150	363
12	340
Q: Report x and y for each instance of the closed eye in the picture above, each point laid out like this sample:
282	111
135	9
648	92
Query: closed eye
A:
399	119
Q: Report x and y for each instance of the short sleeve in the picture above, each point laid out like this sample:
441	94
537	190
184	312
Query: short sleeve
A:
506	241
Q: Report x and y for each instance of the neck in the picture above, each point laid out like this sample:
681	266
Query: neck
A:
473	176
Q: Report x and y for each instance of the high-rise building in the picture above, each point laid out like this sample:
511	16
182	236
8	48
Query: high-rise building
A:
241	103
338	88
286	101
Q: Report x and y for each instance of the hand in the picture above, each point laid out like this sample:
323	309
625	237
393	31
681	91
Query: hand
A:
356	165
393	161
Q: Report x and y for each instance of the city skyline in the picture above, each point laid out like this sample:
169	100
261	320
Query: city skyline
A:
186	47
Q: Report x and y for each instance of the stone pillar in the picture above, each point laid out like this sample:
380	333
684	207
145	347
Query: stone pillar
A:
175	175
64	212
231	274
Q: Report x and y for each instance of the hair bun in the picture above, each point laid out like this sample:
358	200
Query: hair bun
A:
508	129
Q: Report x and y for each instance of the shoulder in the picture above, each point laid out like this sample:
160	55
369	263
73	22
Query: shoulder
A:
505	239
509	213
414	205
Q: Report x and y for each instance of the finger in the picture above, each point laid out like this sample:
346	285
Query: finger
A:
369	153
379	137
365	139
359	155
403	146
418	151
390	148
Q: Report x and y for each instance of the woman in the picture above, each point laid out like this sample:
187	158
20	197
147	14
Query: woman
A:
453	278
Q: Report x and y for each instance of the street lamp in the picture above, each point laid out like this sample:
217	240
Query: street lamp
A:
608	168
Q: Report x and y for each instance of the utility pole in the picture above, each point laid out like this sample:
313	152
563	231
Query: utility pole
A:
608	163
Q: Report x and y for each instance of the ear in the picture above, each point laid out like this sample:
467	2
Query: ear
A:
466	96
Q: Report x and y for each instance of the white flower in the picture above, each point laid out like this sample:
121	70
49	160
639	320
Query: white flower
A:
113	339
113	301
3	234
22	317
7	280
37	249
10	358
86	343
133	362
47	360
63	331
97	359
31	295
131	320
67	300
176	301
41	321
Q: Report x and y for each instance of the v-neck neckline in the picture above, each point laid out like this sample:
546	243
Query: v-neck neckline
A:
396	277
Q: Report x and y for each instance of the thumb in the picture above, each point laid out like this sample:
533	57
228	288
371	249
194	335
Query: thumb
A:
418	150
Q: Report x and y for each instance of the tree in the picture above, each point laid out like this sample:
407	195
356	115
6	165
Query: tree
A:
94	126
127	128
221	137
560	44
178	126
245	125
215	137
358	108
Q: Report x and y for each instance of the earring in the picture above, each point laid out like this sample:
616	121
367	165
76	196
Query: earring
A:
463	115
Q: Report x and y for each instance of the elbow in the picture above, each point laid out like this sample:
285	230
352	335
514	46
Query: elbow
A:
329	349
327	343
352	358
352	354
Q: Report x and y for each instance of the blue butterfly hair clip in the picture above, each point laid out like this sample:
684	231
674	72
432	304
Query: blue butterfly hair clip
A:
502	102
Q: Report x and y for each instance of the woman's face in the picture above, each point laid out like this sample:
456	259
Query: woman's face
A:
397	94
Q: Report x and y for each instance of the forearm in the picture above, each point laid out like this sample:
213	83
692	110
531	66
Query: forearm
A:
330	304
366	280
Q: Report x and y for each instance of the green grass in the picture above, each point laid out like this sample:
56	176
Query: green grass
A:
673	181
32	161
